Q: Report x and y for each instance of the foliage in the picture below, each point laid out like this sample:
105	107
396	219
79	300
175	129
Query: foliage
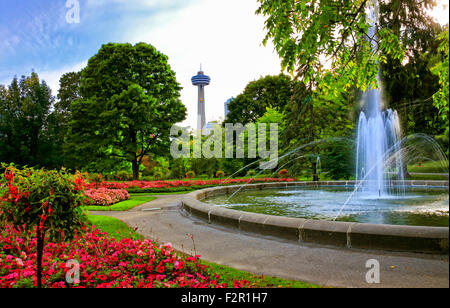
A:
48	201
130	99
69	85
106	263
315	120
220	174
338	160
175	186
326	41
126	205
442	71
267	92
283	173
24	116
409	84
105	197
190	174
178	168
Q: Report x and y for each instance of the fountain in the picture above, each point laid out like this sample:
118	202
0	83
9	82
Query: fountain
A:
380	195
379	210
378	137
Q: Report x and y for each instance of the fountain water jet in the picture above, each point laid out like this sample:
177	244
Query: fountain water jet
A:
378	133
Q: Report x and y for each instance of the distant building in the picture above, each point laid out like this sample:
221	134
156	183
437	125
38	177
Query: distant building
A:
209	128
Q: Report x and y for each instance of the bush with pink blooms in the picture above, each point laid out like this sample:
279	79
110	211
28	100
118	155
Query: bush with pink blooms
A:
179	185
103	263
105	197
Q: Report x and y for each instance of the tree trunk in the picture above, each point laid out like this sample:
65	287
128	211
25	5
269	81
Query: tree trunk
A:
315	175
40	250
135	166
404	170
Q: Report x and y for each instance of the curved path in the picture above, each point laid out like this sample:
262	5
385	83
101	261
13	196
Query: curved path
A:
163	220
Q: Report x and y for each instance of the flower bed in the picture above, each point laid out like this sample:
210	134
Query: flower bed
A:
106	197
103	263
174	186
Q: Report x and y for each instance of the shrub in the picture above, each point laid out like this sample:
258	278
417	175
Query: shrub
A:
283	173
220	174
104	263
105	196
123	176
251	172
190	174
47	201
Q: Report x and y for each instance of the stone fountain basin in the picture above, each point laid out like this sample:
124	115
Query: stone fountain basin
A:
432	240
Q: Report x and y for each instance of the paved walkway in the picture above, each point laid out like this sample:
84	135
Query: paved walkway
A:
163	220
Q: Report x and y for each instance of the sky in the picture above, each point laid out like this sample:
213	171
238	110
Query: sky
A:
224	36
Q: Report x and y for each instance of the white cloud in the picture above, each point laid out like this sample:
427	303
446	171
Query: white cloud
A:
52	77
224	36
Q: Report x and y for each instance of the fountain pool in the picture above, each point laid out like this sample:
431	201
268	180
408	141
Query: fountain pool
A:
415	208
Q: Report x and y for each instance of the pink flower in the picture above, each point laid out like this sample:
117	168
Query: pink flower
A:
19	261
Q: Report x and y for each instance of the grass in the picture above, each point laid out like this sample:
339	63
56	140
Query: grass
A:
114	227
428	177
118	230
159	194
430	167
135	200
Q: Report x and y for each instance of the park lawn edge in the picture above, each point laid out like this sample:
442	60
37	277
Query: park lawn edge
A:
134	201
117	229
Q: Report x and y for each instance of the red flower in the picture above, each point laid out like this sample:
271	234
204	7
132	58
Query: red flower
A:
9	175
161	269
102	277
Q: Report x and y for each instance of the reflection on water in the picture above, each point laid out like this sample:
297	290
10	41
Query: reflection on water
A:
429	208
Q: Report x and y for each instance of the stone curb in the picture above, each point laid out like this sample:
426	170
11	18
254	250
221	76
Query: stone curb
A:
433	240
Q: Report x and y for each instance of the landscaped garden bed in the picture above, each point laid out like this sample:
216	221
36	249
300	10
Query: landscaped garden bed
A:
178	185
105	197
103	262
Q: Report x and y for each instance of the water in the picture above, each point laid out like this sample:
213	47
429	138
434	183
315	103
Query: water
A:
417	208
379	136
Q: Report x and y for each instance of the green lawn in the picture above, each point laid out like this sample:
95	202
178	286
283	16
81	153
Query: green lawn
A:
118	230
159	194
428	177
114	227
430	167
135	200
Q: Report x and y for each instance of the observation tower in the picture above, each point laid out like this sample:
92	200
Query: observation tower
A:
201	81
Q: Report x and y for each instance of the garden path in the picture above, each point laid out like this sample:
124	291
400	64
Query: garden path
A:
163	220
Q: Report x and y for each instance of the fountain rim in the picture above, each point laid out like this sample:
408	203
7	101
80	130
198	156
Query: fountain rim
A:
401	238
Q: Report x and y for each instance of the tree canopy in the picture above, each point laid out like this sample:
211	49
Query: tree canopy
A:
325	41
24	112
129	101
266	92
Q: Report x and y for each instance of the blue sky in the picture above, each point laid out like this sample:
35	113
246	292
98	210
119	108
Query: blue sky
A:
224	35
35	35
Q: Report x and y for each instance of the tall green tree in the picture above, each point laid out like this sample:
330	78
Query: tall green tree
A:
130	100
409	85
441	69
24	110
266	92
69	92
317	123
58	120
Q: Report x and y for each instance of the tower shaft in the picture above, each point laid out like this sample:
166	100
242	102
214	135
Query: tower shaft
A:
201	81
201	119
